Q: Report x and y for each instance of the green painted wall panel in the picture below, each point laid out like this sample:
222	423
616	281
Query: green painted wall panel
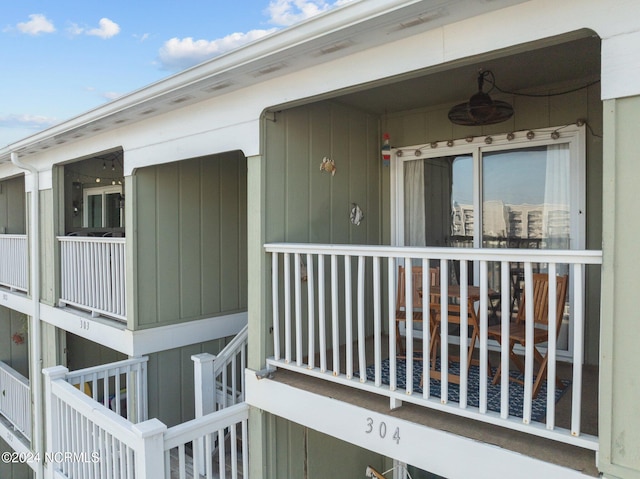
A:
82	353
170	381
14	354
619	385
13	206
167	246
211	233
191	239
15	470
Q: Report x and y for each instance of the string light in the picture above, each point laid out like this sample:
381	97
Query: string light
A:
530	134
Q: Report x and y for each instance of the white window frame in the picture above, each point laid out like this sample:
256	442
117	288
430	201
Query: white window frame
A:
98	191
572	135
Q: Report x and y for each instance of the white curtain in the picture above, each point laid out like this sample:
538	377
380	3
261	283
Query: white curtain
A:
556	219
414	207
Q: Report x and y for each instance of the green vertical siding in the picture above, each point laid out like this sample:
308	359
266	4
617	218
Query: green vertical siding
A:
170	381
82	353
190	239
619	420
306	205
15	470
49	275
12	206
15	355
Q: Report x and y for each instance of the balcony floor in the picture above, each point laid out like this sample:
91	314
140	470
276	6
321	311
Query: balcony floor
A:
544	449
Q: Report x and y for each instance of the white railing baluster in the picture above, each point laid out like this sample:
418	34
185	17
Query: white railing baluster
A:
335	327
377	324
92	275
391	299
298	307
287	307
528	354
362	360
505	325
275	306
368	291
408	304
15	399
426	328
322	318
348	316
13	262
484	325
578	347
464	334
444	331
551	348
311	312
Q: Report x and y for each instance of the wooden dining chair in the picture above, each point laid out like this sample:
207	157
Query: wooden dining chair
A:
517	334
417	293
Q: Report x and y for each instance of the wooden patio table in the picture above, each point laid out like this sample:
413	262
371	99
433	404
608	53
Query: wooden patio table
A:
453	317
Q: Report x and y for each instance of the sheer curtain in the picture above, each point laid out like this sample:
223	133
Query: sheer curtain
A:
556	220
414	206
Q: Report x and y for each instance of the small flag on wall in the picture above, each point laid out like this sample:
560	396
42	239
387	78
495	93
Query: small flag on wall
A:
386	150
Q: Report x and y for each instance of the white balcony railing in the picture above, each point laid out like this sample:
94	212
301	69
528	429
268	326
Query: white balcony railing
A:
13	262
93	275
15	399
89	441
331	301
219	379
119	386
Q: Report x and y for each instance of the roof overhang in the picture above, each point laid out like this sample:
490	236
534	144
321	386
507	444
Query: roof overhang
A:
354	27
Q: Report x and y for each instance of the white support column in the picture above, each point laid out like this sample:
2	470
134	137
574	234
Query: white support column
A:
150	451
205	396
50	375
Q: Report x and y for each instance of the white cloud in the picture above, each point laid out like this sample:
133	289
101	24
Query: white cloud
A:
34	122
287	12
37	24
107	29
177	54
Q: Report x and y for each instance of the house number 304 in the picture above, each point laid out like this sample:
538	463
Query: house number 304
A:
381	430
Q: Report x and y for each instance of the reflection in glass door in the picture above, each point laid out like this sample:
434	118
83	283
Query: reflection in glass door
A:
508	194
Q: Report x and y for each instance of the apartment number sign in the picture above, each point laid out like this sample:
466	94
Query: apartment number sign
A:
380	429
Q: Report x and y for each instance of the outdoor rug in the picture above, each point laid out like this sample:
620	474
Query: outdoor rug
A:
516	391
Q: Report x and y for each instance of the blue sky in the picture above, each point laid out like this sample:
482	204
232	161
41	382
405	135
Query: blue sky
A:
63	57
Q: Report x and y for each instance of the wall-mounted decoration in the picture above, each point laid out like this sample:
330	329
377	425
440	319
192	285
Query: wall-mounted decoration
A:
356	214
386	150
328	165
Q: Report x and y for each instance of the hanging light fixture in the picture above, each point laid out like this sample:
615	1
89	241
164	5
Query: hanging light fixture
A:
481	109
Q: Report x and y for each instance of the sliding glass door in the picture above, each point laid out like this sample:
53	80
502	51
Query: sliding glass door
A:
512	191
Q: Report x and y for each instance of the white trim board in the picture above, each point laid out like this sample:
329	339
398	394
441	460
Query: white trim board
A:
16	443
114	335
436	451
16	301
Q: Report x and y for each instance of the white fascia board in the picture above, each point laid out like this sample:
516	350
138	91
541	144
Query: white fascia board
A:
114	335
150	340
16	443
433	450
621	66
16	301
